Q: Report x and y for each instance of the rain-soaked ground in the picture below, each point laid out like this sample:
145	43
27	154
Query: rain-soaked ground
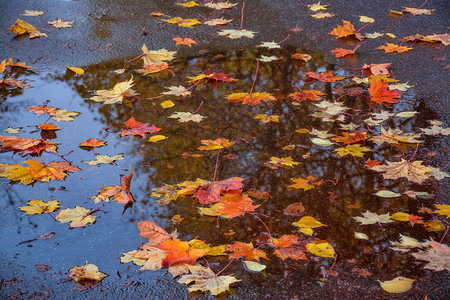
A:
342	187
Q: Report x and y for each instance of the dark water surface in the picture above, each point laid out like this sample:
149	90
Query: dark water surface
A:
163	163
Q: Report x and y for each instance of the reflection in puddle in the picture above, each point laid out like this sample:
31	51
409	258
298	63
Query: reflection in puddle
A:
335	190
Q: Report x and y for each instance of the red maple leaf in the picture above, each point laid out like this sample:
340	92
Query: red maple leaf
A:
308	94
379	91
137	128
155	234
180	252
351	138
246	250
322	77
210	193
236	204
211	78
289	246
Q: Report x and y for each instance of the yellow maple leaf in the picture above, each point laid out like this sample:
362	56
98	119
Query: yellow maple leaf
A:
116	94
38	207
353	149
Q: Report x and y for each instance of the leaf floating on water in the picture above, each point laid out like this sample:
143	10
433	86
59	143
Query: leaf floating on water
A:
86	272
372	218
254	266
78	216
38	207
397	285
322	249
387	194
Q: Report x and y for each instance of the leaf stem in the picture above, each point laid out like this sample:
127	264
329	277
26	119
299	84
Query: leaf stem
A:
242	15
254	80
284	39
417	147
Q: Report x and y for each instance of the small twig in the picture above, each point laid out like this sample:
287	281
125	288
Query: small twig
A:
254	80
380	225
417	147
284	39
197	108
242	15
422	4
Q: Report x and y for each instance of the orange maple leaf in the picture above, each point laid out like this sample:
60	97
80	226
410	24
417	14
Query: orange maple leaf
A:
47	126
306	184
313	95
217	144
391	48
322	77
180	252
137	128
246	250
211	78
346	30
186	41
413	219
92	142
154	68
289	246
25	146
53	170
351	138
341	52
125	196
376	69
372	163
155	234
210	192
253	99
379	91
236	204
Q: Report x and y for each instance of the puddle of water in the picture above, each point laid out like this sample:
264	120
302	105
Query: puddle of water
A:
161	163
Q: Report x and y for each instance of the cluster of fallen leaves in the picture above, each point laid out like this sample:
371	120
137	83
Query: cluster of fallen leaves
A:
229	198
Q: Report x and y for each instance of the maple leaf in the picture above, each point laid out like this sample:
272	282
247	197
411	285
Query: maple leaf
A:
417	11
155	234
306	184
301	56
235	204
372	218
438	258
407	243
116	94
434	38
253	99
21	27
220	5
247	251
317	7
186	117
341	52
23	65
107	192
169	192
86	272
443	210
391	48
215	22
219	143
323	77
154	68
205	280
38	207
394	136
351	138
379	91
32	13
404	217
355	150
186	41
266	119
237	34
93	142
211	78
134	127
435	130
78	216
415	171
8	82
322	249
270	45
284	161
180	91
25	146
288	246
103	159
322	15
264	58
313	95
149	258
346	30
60	23
55	113
210	192
180	252
156	56
11	130
183	22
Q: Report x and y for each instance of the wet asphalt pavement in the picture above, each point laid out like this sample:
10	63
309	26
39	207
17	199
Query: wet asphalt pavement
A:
121	27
